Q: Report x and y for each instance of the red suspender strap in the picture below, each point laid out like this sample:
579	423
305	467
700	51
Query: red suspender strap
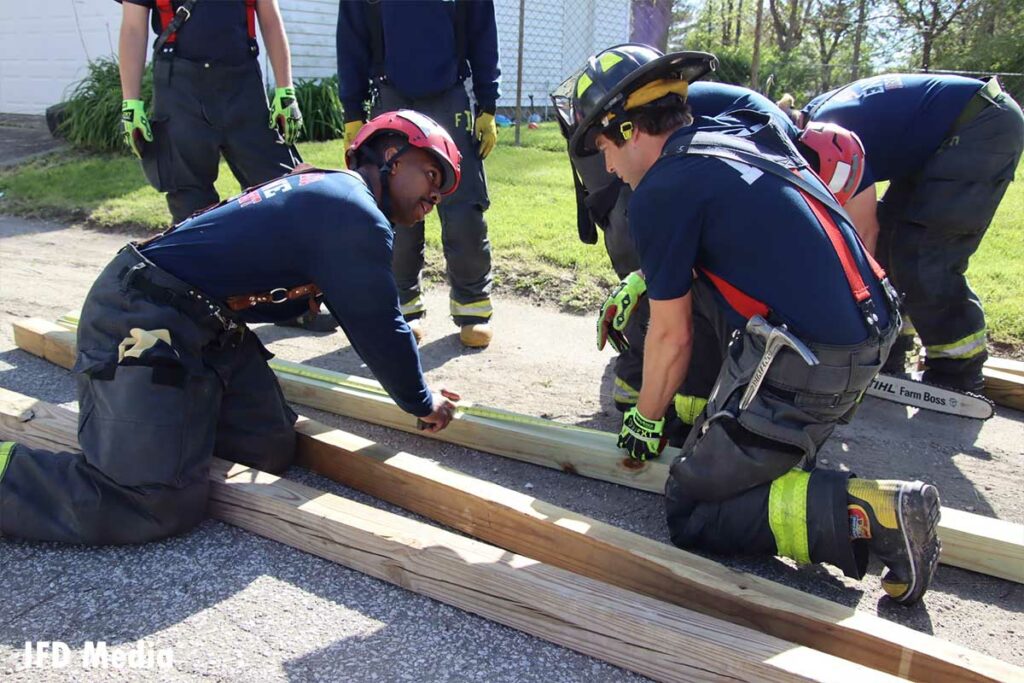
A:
250	17
842	249
744	304
166	14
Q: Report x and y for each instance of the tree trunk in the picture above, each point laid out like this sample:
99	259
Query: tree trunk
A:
651	19
739	22
755	62
858	36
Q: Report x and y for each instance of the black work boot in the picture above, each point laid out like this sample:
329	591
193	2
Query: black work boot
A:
971	381
314	322
899	520
902	349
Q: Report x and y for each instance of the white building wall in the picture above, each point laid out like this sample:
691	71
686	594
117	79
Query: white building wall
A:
45	46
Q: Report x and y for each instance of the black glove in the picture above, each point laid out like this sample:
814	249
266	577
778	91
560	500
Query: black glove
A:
641	438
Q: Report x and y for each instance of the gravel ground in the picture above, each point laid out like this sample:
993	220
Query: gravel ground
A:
234	606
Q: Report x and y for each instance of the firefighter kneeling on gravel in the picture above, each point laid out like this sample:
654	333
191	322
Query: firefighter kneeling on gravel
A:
732	228
170	376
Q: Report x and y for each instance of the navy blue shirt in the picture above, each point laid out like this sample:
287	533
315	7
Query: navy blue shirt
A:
217	31
752	229
713	99
323	228
420	56
902	119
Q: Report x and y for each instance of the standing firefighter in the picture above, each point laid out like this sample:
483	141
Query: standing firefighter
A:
170	376
208	96
417	54
733	230
949	146
834	153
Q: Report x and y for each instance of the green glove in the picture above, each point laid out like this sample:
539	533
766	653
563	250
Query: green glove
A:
285	115
641	438
486	131
616	310
136	125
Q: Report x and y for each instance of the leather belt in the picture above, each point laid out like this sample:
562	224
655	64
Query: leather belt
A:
278	295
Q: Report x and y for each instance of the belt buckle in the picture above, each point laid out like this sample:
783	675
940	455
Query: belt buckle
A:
188	14
279	292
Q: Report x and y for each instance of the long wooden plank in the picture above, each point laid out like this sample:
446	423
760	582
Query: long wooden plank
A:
557	536
1005	388
639	633
589	453
586	546
1014	367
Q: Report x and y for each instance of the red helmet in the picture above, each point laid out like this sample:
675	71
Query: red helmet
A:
840	157
421	131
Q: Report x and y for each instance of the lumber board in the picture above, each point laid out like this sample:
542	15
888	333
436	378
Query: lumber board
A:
550	534
1005	388
1014	367
589	453
636	632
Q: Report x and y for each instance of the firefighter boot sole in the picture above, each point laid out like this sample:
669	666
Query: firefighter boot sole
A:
918	512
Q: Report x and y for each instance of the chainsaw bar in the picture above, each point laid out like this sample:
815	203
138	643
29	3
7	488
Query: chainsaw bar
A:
912	392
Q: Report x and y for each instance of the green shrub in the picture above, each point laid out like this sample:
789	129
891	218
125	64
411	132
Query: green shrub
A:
322	116
92	119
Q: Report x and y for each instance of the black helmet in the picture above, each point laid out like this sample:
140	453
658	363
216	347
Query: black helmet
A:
612	75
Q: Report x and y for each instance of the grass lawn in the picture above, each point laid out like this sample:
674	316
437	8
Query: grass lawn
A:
532	221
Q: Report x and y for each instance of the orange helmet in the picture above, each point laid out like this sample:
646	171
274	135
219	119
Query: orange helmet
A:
840	157
420	131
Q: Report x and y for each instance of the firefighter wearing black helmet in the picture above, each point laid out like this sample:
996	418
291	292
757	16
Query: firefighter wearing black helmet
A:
733	230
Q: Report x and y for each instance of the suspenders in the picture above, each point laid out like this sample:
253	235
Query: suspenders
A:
172	20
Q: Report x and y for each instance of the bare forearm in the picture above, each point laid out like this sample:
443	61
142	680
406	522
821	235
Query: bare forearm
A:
863	209
132	50
272	28
666	361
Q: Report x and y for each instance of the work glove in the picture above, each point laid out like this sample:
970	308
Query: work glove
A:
615	312
285	115
642	439
352	130
486	131
136	125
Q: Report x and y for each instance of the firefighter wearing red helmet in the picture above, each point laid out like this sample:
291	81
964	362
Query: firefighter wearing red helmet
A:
169	375
949	147
737	237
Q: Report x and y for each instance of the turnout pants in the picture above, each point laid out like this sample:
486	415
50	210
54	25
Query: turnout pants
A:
199	112
932	223
745	481
467	250
161	391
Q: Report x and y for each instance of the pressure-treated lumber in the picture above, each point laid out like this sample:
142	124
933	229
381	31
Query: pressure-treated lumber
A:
1005	388
639	633
586	546
1014	367
590	453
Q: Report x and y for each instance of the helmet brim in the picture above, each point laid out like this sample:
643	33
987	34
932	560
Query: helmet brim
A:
689	66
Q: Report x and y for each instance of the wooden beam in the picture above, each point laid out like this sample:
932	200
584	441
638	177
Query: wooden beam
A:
587	452
1014	367
603	552
1005	388
639	633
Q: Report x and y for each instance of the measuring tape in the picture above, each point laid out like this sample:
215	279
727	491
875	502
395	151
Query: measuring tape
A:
366	386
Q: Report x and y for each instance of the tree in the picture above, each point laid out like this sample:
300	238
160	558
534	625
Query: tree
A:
929	19
788	20
830	24
650	21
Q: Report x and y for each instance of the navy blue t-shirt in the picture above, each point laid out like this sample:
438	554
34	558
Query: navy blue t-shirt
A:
902	119
752	229
420	55
713	99
217	31
323	228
